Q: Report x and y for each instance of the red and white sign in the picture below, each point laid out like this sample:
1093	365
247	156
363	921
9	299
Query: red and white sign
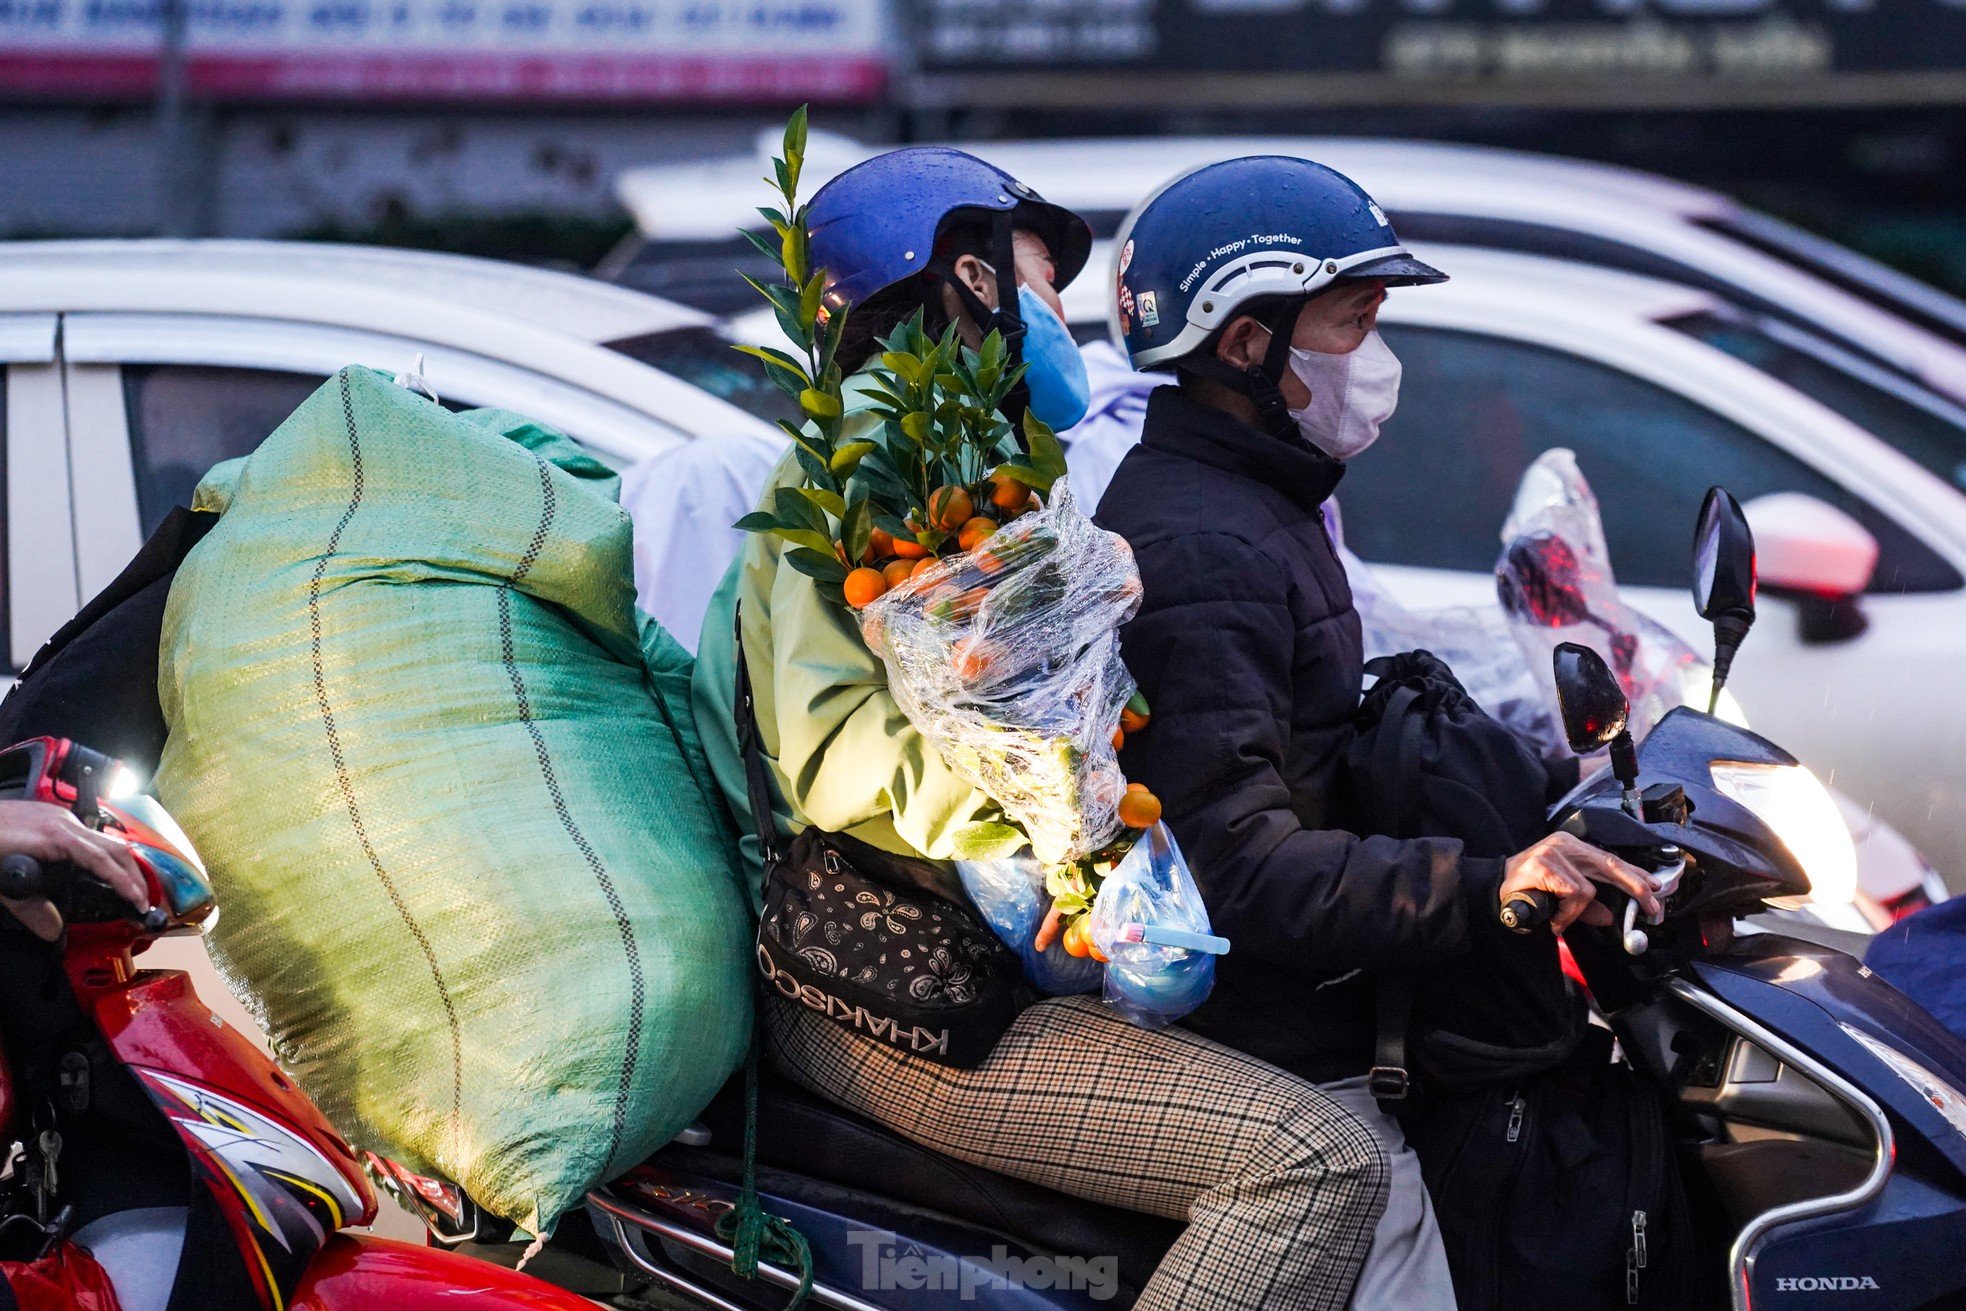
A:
647	51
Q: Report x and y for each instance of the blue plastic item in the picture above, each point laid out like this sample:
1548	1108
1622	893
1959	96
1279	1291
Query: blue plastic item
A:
1010	893
1924	957
1151	895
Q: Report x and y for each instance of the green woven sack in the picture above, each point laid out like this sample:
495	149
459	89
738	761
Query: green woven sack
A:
473	879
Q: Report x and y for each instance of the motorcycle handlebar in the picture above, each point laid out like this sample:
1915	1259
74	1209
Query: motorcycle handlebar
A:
22	878
1528	910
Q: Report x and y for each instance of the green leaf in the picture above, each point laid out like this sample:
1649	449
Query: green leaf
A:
766	246
835	326
915	426
812	461
848	457
986	840
795	145
857	529
903	365
783	173
826	499
819	405
777	359
807	538
1047	456
793	254
893	525
757	522
794	509
809	298
1018	470
814	564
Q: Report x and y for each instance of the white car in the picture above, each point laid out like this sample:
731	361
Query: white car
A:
131	367
687	215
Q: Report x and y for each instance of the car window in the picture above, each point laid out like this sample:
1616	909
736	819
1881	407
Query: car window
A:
1861	276
185	418
1474	410
1923	425
704	358
1589	248
701	274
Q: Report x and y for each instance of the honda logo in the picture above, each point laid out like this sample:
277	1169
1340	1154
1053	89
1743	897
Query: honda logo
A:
1826	1284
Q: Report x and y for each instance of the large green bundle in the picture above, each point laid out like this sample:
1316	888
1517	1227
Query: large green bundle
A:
472	877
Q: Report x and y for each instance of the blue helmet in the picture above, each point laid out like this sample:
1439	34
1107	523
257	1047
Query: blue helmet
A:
876	224
1213	240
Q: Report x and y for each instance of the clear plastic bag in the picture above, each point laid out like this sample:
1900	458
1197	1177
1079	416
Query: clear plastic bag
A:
1150	923
1555	584
1007	659
1011	895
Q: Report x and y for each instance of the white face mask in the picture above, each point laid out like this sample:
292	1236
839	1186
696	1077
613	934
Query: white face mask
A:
1351	395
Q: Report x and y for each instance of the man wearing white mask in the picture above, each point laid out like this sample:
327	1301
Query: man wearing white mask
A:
1258	281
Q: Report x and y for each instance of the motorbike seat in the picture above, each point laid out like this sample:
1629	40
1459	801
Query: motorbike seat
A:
801	1134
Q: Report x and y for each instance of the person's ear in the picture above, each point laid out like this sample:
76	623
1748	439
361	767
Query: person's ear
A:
976	275
1243	344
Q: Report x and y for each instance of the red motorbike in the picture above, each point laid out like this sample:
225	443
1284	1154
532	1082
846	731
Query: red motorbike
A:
269	1185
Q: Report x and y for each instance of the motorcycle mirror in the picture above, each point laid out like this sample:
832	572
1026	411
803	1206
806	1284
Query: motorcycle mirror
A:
1595	712
1723	579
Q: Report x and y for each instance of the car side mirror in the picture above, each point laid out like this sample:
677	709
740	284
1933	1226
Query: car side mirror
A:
1818	556
1723	579
1595	712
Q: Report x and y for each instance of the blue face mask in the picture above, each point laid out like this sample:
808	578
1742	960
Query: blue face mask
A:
1056	376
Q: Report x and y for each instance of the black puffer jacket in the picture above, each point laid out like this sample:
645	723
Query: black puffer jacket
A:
1247	647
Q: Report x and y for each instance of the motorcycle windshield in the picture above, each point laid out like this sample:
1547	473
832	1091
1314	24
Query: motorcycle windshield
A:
163	845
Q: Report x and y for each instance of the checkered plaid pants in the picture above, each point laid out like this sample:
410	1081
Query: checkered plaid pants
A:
1281	1187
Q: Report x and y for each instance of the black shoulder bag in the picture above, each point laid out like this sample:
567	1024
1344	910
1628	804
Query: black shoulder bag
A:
1551	1166
869	940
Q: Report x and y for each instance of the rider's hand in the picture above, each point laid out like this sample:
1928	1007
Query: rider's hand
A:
52	835
1569	868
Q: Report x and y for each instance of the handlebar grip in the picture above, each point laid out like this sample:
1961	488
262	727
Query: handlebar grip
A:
1527	911
22	877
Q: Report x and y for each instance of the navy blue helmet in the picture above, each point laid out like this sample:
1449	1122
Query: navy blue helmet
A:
1213	240
876	224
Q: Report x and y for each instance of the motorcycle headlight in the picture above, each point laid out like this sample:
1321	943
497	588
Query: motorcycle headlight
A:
1934	1091
1791	801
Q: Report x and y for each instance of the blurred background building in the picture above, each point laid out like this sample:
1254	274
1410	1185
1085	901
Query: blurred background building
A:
499	126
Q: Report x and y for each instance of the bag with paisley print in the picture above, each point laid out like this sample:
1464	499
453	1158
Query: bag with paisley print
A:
853	933
873	940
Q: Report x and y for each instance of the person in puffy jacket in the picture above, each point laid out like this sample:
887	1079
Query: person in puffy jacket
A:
1258	281
1281	1186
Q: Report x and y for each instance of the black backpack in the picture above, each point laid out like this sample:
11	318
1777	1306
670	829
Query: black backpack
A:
1551	1167
95	680
1563	1192
1427	761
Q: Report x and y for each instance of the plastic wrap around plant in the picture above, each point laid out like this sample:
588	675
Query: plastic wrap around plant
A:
1007	659
1150	923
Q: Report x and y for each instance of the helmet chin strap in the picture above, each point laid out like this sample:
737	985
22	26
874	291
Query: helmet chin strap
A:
1004	318
1261	383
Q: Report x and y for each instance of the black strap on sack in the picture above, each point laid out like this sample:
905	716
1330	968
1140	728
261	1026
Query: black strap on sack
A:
757	782
753	1232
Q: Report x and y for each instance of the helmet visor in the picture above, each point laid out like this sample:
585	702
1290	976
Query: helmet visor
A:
1400	270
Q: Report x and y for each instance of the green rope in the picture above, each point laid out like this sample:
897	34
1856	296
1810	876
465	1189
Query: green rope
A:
753	1232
